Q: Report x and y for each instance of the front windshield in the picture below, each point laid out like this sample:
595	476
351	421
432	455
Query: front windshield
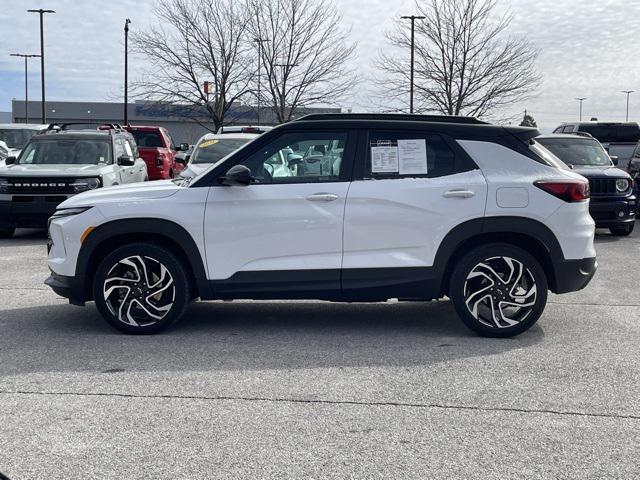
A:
16	137
67	151
211	151
577	151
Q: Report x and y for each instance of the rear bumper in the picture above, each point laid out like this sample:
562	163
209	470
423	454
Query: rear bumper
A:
573	275
66	287
29	212
613	212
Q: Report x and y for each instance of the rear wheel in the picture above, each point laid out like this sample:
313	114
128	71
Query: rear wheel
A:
498	290
7	232
623	231
141	289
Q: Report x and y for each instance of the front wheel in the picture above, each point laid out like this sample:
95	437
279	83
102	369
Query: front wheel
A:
141	289
498	290
624	231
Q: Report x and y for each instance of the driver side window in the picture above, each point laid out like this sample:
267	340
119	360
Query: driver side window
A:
304	157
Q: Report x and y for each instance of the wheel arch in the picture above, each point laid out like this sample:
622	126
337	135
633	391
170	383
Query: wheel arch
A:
529	234
111	235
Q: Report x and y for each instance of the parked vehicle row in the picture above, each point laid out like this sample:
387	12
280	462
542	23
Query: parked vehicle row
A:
338	207
59	164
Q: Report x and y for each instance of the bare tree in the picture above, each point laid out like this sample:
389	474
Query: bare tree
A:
466	64
194	41
305	54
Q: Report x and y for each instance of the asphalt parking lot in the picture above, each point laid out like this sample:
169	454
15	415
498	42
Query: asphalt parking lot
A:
319	390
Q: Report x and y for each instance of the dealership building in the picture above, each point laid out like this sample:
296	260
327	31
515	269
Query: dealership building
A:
185	123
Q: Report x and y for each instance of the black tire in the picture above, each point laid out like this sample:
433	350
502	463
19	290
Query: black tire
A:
7	232
623	231
474	294
124	293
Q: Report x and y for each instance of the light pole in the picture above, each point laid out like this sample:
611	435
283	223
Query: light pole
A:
42	12
126	68
413	19
26	82
628	92
581	99
259	41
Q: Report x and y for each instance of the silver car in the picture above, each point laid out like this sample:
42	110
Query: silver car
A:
56	165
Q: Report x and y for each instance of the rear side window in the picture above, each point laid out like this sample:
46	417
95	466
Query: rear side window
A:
611	133
148	139
392	154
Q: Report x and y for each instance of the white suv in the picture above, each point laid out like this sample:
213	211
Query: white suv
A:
409	207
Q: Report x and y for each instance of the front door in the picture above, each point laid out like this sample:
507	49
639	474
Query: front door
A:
283	233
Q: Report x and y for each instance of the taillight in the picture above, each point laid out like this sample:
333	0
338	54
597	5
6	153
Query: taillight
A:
159	161
569	190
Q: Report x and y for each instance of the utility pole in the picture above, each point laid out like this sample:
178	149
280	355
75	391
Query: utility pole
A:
628	92
259	41
26	82
413	19
126	69
581	99
42	12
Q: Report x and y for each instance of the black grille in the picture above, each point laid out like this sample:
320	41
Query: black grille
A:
41	185
603	186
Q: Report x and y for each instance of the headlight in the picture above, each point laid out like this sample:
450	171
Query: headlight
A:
67	212
84	184
622	185
4	185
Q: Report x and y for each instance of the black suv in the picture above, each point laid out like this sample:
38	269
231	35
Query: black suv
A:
613	202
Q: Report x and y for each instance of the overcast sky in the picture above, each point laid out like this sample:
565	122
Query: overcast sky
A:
587	49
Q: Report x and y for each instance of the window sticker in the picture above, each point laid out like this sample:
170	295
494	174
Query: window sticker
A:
384	157
412	157
208	143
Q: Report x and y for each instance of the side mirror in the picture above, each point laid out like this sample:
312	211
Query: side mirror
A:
237	176
294	159
126	161
183	147
614	159
182	159
10	160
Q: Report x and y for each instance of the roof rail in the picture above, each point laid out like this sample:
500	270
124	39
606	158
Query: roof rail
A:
392	116
581	134
57	127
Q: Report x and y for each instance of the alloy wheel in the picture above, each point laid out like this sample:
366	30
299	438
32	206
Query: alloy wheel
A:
139	291
500	292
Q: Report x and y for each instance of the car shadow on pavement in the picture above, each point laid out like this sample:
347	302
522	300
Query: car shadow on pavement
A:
25	238
247	335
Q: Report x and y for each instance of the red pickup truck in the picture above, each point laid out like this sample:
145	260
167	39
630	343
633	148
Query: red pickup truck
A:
157	150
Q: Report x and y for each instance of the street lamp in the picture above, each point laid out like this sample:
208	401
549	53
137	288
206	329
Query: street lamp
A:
628	92
42	12
26	82
413	19
259	41
581	99
126	68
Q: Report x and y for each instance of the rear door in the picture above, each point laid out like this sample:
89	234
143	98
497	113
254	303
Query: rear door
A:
410	189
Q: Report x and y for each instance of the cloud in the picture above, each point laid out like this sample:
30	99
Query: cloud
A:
585	50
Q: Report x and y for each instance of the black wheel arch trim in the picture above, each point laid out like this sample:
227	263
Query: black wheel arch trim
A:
485	229
164	230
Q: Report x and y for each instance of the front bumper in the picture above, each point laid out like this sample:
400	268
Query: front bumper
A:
67	287
573	275
28	211
613	211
